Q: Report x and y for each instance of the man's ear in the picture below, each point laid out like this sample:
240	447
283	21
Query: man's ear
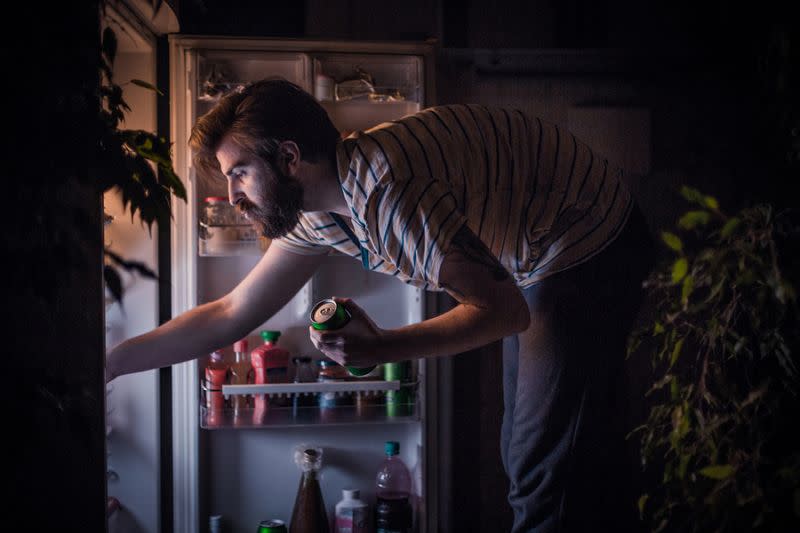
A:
288	156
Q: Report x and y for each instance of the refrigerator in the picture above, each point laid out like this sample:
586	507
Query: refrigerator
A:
241	467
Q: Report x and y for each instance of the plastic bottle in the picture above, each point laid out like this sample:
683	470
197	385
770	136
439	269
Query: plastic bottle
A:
309	514
239	373
352	513
393	513
270	365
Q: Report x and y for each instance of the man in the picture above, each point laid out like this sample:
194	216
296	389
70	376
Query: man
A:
534	235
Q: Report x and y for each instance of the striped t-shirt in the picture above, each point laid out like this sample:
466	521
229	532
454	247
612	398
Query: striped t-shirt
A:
539	198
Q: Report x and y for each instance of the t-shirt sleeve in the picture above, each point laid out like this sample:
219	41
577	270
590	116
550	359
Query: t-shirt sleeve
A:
413	222
301	241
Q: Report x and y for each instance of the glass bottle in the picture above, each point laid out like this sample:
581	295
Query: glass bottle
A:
309	514
240	369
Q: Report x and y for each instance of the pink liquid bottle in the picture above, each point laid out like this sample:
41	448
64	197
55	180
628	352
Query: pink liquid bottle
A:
393	512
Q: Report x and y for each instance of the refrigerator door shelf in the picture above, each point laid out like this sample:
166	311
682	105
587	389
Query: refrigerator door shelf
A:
230	239
282	417
353	403
230	248
314	387
352	115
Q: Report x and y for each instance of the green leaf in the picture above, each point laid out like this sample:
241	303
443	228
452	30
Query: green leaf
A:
109	45
717	471
642	501
693	195
659	384
146	85
692	219
730	226
672	240
679	269
711	202
658	329
686	289
683	465
676	353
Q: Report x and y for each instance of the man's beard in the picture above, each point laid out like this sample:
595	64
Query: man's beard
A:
281	216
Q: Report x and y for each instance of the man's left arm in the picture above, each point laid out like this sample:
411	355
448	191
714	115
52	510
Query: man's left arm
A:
490	307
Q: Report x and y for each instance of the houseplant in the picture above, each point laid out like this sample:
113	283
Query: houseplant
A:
719	445
138	163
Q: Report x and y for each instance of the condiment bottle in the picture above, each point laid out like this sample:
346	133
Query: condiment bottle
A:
239	373
309	514
270	365
352	513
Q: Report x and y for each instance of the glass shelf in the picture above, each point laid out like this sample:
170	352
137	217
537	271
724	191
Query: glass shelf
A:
301	404
251	417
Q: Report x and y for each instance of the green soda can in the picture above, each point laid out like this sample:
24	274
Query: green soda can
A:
397	401
328	315
272	526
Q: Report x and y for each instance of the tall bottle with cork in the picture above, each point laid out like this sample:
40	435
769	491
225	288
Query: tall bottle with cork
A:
309	514
393	512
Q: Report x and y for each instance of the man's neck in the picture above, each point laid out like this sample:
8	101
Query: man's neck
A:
322	190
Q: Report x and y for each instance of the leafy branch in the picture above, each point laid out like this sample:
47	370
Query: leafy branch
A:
135	162
724	354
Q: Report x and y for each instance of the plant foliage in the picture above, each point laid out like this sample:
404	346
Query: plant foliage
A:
720	434
135	162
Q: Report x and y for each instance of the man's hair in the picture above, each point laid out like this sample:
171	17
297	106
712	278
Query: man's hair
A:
258	118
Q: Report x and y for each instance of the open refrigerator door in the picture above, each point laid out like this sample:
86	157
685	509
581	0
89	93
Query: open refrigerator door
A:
234	440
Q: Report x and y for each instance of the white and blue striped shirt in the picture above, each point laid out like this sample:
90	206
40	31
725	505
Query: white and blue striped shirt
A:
539	198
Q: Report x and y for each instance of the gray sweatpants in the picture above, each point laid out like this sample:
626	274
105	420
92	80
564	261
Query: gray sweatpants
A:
562	440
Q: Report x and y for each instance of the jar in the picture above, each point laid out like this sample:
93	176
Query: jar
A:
323	87
330	371
218	211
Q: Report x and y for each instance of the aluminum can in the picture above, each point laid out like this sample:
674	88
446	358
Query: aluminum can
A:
328	315
272	526
398	402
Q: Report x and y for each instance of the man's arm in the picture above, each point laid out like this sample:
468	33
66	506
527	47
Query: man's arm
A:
491	306
264	291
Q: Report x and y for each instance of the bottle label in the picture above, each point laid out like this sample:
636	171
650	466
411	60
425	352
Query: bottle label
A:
352	520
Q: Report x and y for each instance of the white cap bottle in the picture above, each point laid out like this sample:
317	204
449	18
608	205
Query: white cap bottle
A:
352	513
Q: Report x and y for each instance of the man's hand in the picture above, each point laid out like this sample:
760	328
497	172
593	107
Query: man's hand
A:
360	343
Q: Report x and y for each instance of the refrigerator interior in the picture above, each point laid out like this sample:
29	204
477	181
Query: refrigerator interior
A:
248	474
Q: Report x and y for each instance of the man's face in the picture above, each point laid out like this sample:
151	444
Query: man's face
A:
270	199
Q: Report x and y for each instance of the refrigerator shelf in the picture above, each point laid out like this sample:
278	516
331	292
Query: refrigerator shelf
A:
273	417
292	389
230	248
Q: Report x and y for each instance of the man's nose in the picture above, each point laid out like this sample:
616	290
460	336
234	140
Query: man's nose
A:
235	195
